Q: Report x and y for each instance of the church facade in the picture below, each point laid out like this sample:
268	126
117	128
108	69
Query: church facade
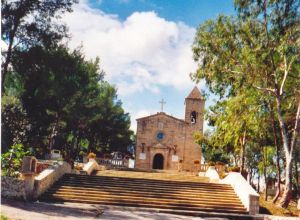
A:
166	142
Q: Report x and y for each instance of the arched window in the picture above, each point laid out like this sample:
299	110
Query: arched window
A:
194	116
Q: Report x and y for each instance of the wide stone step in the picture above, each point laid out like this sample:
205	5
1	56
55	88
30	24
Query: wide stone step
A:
146	182
99	194
159	194
150	201
189	207
145	188
183	181
177	179
129	189
169	192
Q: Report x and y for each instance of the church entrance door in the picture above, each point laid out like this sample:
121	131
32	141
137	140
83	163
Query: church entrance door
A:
158	162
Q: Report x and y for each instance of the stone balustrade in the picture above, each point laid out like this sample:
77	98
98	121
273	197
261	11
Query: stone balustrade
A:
31	185
49	176
114	163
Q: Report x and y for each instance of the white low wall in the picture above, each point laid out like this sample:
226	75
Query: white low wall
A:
248	196
89	167
212	174
49	176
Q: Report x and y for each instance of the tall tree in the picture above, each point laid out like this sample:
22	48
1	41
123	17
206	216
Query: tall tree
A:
68	103
259	49
27	23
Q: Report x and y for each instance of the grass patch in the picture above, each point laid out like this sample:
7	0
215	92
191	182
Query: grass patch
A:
267	207
4	217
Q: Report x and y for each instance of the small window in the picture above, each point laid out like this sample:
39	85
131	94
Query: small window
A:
143	147
194	116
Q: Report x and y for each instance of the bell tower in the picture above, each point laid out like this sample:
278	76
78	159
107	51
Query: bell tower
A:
194	110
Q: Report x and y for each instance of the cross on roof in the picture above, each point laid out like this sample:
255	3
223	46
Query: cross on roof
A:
162	102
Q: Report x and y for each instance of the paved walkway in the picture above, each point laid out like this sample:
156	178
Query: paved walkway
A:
18	210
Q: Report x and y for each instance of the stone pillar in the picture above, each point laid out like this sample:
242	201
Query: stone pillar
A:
28	185
298	206
28	172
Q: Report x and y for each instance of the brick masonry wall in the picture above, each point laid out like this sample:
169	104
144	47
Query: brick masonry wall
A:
12	187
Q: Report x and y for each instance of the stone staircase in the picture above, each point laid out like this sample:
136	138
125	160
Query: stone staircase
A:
156	190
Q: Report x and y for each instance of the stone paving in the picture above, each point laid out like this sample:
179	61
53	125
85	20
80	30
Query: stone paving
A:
18	210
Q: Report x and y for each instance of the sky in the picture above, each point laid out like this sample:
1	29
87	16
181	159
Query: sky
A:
144	48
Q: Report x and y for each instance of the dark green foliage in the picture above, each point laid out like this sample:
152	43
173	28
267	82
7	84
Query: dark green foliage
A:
68	104
63	102
15	124
29	23
211	152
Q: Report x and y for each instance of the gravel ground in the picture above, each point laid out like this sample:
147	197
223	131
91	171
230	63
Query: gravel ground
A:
18	210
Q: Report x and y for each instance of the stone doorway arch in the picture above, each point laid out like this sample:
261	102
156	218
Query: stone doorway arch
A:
158	162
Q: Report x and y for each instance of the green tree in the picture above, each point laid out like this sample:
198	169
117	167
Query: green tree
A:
11	161
14	122
266	166
259	49
210	151
27	23
68	103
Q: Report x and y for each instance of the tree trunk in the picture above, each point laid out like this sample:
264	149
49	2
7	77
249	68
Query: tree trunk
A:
243	143
258	183
250	176
288	148
9	52
265	174
296	176
277	157
287	195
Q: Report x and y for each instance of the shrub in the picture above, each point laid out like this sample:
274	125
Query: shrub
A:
220	163
222	175
11	161
82	153
91	155
234	169
211	163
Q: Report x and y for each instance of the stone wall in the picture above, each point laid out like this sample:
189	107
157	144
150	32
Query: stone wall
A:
12	188
49	176
176	133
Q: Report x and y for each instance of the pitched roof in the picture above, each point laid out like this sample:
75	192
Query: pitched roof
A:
162	113
195	94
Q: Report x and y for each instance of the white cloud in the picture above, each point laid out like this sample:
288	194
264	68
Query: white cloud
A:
139	114
143	52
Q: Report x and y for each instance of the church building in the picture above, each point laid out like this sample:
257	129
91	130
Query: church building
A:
166	142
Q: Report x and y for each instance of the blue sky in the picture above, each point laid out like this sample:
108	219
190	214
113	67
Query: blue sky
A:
191	12
144	47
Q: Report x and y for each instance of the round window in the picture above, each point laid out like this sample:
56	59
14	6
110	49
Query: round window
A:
160	135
